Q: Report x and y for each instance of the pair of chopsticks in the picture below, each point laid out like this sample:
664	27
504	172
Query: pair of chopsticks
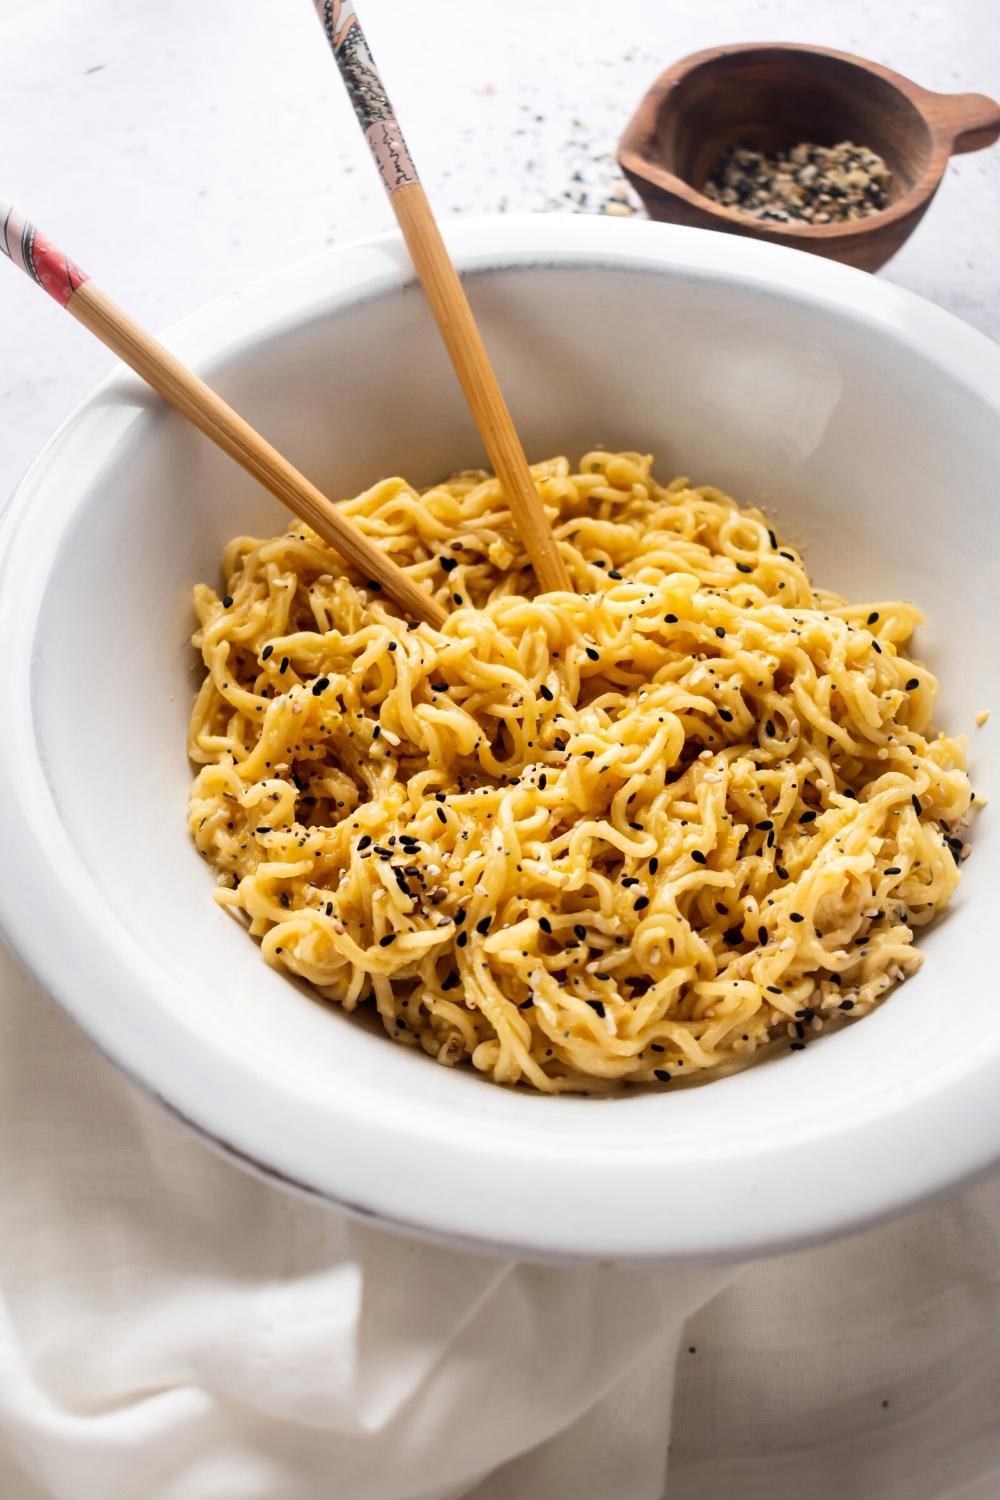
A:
33	253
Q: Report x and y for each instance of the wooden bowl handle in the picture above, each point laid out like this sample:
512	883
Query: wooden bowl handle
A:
971	120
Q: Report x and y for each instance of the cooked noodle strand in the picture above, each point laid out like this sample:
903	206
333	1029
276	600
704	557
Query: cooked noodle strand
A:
634	833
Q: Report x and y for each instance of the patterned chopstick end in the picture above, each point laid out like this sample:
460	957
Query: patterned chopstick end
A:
371	103
28	248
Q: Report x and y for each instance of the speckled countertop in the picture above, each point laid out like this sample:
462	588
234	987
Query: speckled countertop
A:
179	149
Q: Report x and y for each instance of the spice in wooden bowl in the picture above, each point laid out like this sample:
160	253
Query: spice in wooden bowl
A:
814	184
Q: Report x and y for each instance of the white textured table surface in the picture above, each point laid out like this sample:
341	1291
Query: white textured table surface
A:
178	148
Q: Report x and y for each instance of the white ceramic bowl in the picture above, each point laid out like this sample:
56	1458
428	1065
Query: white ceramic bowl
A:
867	420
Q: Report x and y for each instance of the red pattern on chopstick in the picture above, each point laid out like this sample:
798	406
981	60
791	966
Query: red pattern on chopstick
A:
29	249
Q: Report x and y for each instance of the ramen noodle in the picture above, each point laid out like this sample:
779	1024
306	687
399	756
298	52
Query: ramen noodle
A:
639	832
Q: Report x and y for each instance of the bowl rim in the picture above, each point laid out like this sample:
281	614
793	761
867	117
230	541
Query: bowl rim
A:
641	130
906	1136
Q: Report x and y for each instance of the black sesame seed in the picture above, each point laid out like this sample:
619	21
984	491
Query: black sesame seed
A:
483	925
772	989
846	1005
698	857
640	903
594	655
320	685
744	568
670	619
462	939
384	942
873	617
769	728
781	872
772	539
613	573
442	815
725	716
439	687
227	601
284	664
762	936
720	632
876	647
580	930
266	652
657	1047
808	817
914	682
661	1075
545	925
448	563
364	841
764	825
654	865
796	916
546	693
796	1046
917	808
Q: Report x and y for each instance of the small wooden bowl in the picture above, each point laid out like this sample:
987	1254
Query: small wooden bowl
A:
775	95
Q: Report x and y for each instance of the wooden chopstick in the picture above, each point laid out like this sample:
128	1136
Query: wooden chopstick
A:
23	244
443	289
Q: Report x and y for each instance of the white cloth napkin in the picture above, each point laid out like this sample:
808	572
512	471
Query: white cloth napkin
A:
173	1329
